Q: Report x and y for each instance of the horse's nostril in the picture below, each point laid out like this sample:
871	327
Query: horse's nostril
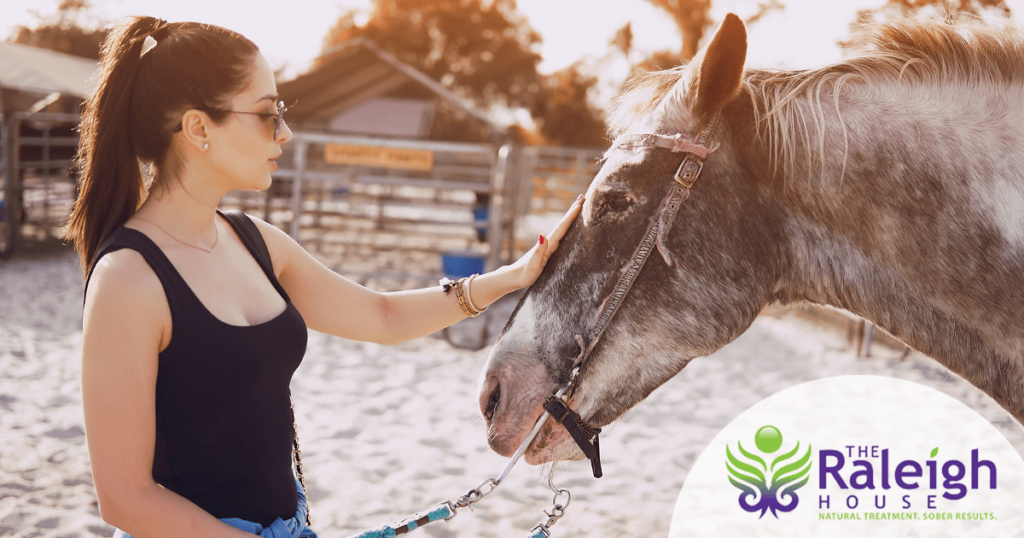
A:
492	402
489	400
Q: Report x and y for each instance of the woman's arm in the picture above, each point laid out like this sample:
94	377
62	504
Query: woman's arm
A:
126	322
335	305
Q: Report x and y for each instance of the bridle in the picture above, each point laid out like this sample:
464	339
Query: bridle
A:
695	150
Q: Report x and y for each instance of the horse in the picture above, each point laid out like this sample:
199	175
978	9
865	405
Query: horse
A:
889	184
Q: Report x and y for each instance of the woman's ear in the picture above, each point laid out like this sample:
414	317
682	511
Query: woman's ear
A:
194	126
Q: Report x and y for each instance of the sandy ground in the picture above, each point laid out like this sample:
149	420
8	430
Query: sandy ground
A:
387	431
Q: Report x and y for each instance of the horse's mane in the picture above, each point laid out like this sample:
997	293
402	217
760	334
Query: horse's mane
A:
906	52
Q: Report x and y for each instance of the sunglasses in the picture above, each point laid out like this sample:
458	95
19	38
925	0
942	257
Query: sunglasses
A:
269	118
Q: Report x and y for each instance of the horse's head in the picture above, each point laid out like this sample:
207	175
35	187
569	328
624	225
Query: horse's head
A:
720	246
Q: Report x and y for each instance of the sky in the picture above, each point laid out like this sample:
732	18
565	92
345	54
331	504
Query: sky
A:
289	33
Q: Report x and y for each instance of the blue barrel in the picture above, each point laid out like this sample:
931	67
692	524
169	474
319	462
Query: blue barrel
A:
480	215
462	264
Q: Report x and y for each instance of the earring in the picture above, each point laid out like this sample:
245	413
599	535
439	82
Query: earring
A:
206	145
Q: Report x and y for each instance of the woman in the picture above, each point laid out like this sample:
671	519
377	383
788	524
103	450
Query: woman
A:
191	334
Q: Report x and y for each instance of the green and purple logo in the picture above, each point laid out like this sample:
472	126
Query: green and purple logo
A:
765	486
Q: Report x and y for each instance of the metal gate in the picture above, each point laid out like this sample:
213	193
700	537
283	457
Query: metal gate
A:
37	188
547	179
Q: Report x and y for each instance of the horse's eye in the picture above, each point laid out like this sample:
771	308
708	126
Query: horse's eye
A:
617	201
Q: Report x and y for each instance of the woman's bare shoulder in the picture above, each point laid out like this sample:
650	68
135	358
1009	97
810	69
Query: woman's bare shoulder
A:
123	276
125	302
271	233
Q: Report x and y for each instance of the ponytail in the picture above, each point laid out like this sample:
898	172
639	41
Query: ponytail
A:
128	121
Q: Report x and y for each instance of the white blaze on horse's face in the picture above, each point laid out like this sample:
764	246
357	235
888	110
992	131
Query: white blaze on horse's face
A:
668	308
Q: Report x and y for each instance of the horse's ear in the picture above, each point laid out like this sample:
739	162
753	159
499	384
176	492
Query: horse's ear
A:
721	68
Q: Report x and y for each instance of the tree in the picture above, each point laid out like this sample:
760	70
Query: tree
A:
692	17
484	50
565	116
917	8
63	32
972	7
622	40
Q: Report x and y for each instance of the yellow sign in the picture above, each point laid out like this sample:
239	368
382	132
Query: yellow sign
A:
406	159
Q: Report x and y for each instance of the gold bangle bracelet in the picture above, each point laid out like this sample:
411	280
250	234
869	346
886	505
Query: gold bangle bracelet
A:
448	285
469	295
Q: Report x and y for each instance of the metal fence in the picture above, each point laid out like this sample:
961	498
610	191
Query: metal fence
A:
37	188
548	180
381	209
394	212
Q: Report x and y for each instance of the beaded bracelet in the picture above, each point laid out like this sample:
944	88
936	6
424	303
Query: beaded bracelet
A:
462	295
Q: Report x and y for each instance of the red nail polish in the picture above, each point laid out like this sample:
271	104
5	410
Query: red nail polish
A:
542	239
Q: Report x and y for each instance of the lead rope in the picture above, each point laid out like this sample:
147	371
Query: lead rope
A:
447	510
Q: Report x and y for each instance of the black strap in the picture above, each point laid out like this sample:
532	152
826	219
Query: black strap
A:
242	222
587	441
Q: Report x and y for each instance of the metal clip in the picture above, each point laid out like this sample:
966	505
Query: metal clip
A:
556	512
474	495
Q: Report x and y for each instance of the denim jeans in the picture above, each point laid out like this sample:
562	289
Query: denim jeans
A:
281	528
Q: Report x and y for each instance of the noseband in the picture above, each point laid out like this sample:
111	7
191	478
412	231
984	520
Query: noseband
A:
695	150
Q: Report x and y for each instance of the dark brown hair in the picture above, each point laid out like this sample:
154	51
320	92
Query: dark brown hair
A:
140	98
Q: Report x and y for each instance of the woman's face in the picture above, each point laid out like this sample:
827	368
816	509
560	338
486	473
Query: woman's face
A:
243	148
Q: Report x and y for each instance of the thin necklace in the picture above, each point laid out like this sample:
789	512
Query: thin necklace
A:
206	250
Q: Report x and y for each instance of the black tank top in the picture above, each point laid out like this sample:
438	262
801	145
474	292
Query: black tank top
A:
224	426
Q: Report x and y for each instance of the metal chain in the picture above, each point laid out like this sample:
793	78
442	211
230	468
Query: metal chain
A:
297	458
447	510
487	486
557	511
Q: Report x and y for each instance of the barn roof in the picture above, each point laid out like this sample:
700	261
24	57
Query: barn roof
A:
358	71
36	70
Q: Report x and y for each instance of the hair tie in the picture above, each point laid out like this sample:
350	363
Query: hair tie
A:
147	45
150	41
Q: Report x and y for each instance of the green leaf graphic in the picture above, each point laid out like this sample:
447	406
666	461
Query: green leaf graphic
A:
751	456
779	479
741	466
786	456
934	452
743	487
740	474
801	484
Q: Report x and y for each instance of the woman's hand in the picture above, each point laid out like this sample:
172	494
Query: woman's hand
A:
528	268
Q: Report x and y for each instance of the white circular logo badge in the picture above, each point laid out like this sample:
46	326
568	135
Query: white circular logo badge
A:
855	456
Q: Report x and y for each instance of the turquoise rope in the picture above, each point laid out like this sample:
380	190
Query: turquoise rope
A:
388	531
383	532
